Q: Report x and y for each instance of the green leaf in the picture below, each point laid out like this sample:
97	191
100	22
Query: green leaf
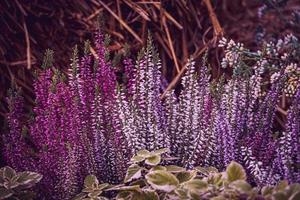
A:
137	159
103	186
79	196
144	153
186	176
134	195
295	196
5	193
94	194
124	195
133	172
162	180
195	185
158	168
215	179
161	151
175	169
150	195
180	193
241	185
28	179
91	181
267	190
281	186
125	188
153	160
9	172
235	172
279	196
206	170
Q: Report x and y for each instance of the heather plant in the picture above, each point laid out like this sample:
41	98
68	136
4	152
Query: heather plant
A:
90	122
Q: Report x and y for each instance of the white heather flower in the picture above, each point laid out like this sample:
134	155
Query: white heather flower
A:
222	42
284	56
291	68
274	77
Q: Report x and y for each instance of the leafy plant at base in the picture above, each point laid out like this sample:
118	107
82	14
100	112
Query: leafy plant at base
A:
17	185
157	182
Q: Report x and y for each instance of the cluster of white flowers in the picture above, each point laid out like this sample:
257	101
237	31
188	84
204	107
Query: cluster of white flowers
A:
233	51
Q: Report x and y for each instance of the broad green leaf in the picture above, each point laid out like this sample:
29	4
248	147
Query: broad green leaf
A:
153	160
186	176
126	188
215	179
235	172
91	181
293	188
279	196
102	198
218	198
79	196
28	178
124	195
150	195
161	151
133	172
94	194
180	193
137	159
9	172
174	168
206	170
162	180
102	186
267	190
241	185
5	193
295	196
195	185
144	153
158	168
135	195
281	185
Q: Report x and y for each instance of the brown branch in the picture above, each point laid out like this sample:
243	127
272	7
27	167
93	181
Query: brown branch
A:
122	22
28	51
170	44
169	16
138	10
281	111
214	20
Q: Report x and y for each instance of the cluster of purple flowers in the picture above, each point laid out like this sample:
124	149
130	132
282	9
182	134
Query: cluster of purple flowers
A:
91	124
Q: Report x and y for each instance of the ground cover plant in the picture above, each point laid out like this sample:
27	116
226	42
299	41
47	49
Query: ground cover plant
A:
89	122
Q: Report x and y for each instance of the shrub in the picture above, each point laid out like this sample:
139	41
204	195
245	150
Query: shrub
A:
93	124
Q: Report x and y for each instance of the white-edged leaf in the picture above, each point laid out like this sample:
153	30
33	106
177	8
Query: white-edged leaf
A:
162	180
186	176
133	172
143	153
137	159
153	160
175	169
235	172
5	193
91	181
